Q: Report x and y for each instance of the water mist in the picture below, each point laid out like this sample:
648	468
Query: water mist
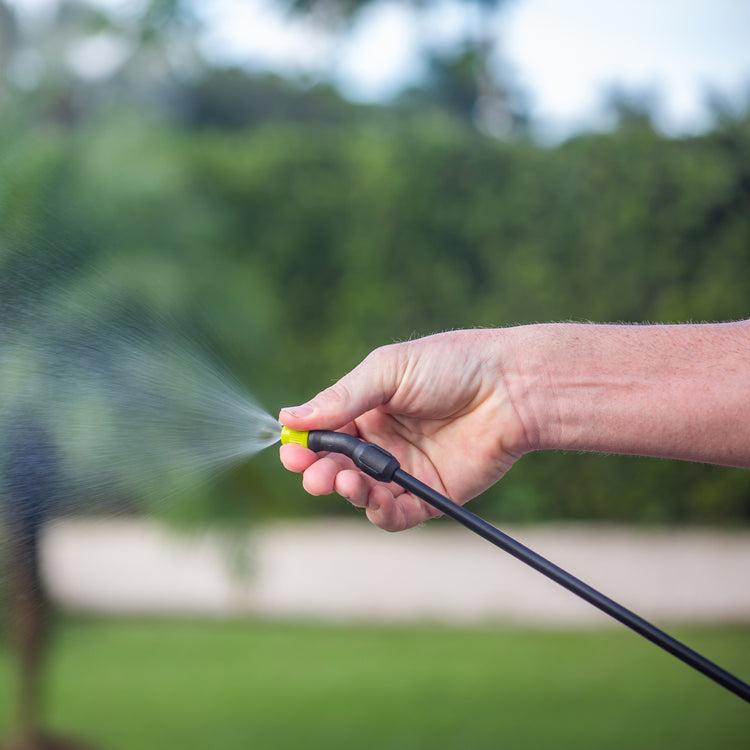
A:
129	407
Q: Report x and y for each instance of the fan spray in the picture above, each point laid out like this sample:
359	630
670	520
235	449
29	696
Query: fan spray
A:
384	467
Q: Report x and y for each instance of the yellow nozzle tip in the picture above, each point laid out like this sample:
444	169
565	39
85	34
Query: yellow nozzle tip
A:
294	436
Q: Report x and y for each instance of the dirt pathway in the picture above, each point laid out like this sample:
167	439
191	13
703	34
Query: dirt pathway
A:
349	570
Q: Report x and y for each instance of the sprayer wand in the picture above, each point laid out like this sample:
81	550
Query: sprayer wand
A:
384	467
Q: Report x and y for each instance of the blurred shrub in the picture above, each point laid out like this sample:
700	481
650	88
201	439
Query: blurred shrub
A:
299	248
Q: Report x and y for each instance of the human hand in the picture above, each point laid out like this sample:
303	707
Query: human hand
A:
441	405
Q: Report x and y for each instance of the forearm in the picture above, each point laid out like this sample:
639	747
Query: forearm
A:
678	391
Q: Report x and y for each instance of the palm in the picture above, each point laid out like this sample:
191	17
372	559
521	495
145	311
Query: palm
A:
449	453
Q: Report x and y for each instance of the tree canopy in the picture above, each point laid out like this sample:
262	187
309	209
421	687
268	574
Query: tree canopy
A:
309	230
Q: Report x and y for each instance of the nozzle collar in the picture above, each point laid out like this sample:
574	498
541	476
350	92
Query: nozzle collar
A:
289	435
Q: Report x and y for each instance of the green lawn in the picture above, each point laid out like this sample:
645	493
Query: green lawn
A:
219	686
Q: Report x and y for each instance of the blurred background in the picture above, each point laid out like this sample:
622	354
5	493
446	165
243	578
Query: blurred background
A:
292	184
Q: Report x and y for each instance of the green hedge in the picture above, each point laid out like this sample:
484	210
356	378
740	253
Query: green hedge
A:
307	246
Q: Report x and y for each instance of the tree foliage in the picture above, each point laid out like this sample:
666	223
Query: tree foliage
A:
310	244
310	230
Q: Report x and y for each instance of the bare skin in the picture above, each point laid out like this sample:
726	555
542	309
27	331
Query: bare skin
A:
458	409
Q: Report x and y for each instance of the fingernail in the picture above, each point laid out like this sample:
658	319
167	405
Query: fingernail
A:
373	505
299	411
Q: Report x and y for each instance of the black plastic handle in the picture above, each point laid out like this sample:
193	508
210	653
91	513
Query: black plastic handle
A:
370	458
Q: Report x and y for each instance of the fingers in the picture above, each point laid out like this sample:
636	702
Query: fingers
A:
372	383
296	458
354	486
318	474
331	473
387	505
398	513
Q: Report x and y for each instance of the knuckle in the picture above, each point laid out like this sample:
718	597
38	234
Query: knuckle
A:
336	394
313	484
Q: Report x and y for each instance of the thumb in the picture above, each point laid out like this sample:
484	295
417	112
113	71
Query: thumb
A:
372	383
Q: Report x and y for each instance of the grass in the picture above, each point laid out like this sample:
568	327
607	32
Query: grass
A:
139	685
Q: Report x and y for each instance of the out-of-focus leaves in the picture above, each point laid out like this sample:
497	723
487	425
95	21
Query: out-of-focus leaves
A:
295	249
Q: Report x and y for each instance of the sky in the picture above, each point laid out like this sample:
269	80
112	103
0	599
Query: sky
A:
568	52
565	55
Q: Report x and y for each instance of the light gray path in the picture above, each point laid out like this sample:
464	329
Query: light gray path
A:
349	570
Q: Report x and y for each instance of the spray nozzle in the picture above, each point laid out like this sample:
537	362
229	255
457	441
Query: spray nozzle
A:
288	435
368	457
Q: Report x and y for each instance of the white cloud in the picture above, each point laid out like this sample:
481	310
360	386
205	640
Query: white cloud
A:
380	54
255	33
565	53
568	52
99	56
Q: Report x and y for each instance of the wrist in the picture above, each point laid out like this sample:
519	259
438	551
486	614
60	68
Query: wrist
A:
592	387
526	356
674	391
